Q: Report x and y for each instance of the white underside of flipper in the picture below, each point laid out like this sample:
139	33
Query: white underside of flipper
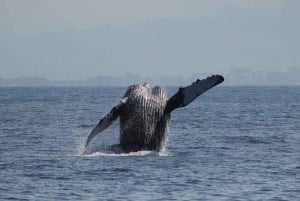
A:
106	121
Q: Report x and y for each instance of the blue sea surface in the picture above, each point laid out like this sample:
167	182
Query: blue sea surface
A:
231	143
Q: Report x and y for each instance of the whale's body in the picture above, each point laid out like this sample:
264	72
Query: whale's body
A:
143	121
145	113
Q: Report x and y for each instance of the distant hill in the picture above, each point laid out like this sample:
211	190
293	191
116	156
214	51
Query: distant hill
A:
101	80
239	77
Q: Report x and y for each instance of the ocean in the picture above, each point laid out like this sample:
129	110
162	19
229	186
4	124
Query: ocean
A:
231	143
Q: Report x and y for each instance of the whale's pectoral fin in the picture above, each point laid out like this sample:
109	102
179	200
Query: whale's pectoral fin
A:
106	121
187	94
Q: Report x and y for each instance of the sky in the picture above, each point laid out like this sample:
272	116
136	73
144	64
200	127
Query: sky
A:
74	40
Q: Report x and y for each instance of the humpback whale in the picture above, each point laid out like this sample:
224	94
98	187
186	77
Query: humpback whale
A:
144	113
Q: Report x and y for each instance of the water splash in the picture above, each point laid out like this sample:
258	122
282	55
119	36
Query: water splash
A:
114	151
81	148
164	151
138	153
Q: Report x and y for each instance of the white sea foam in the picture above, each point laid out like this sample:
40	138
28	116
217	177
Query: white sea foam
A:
107	152
164	152
138	153
81	147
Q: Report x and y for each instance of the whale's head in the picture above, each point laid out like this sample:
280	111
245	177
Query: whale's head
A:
146	91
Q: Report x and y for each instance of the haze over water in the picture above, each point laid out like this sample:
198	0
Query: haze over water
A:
75	40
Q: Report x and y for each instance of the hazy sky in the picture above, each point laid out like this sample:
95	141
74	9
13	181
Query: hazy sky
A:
73	39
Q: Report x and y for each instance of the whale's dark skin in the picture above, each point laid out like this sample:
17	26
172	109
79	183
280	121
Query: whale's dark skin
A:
145	113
